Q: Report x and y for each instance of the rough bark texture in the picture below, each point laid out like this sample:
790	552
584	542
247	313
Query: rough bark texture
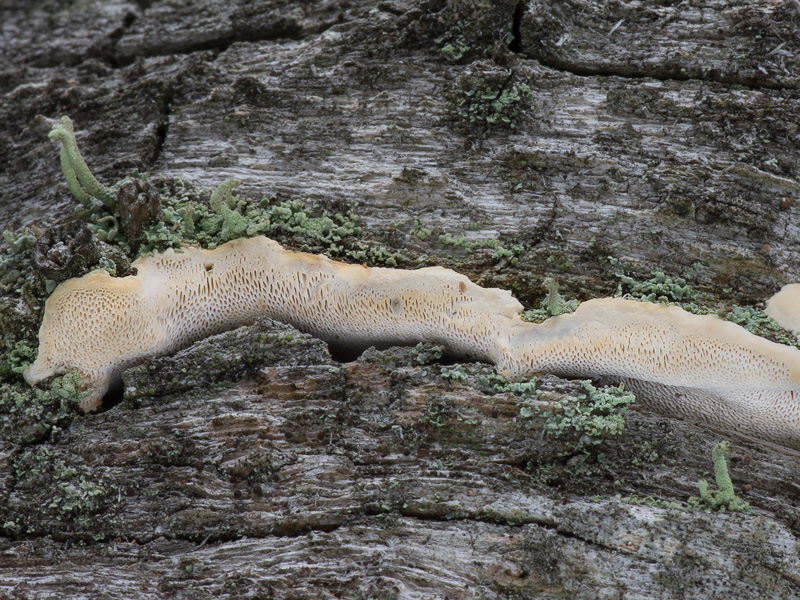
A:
660	134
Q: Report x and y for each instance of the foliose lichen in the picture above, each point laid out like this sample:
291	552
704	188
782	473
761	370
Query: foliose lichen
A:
588	418
494	99
679	290
29	415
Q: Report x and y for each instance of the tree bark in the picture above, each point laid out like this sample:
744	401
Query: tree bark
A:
655	136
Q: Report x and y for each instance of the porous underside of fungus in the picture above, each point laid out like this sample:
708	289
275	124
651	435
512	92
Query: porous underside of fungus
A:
696	367
100	325
683	365
784	308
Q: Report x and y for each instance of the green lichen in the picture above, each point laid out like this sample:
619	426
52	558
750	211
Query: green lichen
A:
16	262
27	415
679	291
455	374
98	203
18	356
723	498
453	45
188	219
758	323
67	493
552	305
497	101
363	253
501	252
110	233
421	230
426	353
524	389
22	297
18	242
588	418
234	225
83	185
225	216
435	415
660	287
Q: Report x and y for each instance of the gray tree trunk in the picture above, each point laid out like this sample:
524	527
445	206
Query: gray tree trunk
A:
656	135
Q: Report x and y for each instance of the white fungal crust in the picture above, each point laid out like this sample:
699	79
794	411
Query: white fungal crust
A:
683	365
101	325
784	308
699	368
656	343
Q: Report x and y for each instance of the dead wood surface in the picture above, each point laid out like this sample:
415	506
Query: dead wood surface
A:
661	134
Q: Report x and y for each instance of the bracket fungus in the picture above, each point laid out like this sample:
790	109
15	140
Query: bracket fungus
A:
784	308
700	368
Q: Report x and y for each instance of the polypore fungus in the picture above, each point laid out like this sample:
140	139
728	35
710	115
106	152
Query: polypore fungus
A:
101	325
784	308
695	367
684	365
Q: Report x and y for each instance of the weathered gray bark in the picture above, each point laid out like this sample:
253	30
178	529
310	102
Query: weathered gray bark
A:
660	134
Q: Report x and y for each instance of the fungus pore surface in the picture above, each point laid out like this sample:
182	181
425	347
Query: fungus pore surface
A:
696	367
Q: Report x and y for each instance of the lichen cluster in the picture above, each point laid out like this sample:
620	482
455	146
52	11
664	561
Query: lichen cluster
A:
187	215
679	290
66	491
22	297
589	418
29	415
552	305
494	100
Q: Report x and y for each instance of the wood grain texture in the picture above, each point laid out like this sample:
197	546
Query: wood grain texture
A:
661	143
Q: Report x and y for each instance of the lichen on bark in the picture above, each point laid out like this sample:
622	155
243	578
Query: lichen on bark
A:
300	474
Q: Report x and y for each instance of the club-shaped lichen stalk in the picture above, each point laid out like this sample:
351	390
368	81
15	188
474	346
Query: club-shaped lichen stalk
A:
80	180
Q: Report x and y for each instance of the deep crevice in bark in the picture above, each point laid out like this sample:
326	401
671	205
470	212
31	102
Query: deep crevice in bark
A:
516	28
287	30
162	129
672	74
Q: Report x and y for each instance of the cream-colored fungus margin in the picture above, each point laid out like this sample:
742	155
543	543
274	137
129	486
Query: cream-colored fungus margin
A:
784	308
696	367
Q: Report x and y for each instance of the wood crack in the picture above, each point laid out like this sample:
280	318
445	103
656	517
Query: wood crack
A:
671	74
279	30
162	129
